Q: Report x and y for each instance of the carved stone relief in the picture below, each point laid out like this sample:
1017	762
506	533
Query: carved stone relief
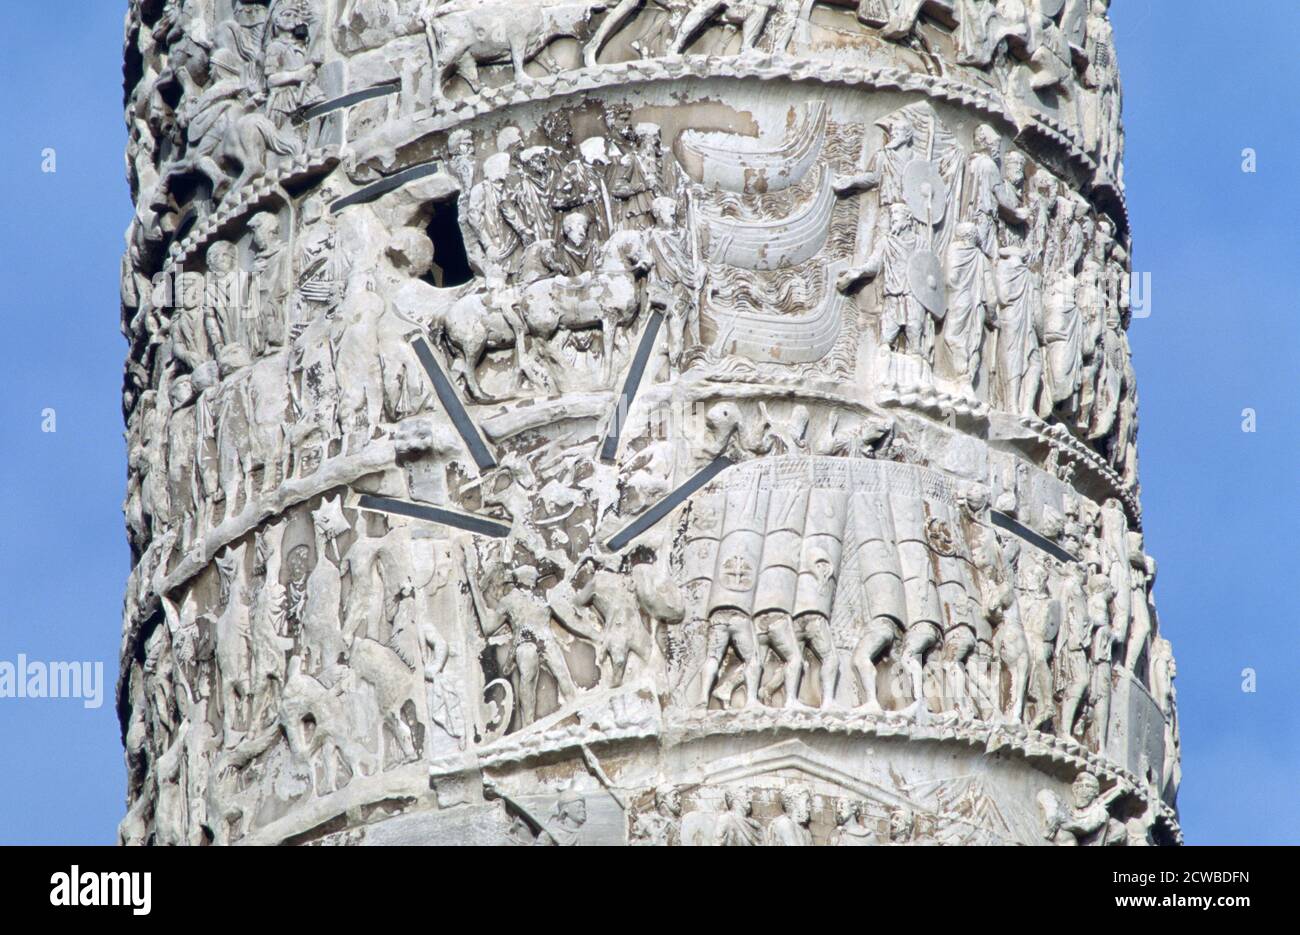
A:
512	385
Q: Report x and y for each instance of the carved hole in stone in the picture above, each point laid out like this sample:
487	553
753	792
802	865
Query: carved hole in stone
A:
450	262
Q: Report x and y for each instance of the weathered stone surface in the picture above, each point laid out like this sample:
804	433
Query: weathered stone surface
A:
639	422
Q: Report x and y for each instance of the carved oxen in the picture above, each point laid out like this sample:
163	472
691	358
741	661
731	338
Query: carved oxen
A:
503	32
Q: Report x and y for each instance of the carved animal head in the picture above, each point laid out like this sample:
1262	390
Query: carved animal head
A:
410	251
627	251
722	421
267	553
230	567
329	520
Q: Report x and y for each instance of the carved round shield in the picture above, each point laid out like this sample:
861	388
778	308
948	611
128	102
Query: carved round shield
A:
1051	7
925	191
925	276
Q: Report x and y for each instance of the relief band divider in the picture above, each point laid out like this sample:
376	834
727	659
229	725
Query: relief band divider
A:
1004	521
455	408
384	186
623	404
354	97
475	524
669	503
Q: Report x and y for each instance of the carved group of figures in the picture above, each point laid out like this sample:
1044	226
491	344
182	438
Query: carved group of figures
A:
1057	56
810	565
857	822
214	104
308	664
795	817
256	384
569	239
216	100
1005	283
320	652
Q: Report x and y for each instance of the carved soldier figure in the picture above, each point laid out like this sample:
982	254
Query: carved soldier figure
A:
1019	360
206	380
634	179
1087	821
732	628
533	646
269	406
1102	655
495	243
1073	651
850	828
518	499
188	326
564	829
356	365
290	73
1000	605
232	417
1163	672
181	478
902	827
790	828
902	314
1050	57
811	617
1103	106
1042	217
224	319
239	39
265	308
1042	620
885	168
268	638
674	279
315	391
989	194
576	249
364	611
622	632
462	158
319	274
972	293
581	187
1062	339
661	826
529	196
984	25
1141	573
1112	354
735	827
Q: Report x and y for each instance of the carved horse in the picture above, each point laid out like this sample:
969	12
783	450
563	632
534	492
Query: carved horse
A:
315	718
394	684
481	322
230	132
233	630
471	327
604	299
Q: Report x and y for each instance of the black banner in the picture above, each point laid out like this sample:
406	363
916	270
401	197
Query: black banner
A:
239	884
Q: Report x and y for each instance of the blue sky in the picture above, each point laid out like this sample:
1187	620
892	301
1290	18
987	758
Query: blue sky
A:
1221	509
